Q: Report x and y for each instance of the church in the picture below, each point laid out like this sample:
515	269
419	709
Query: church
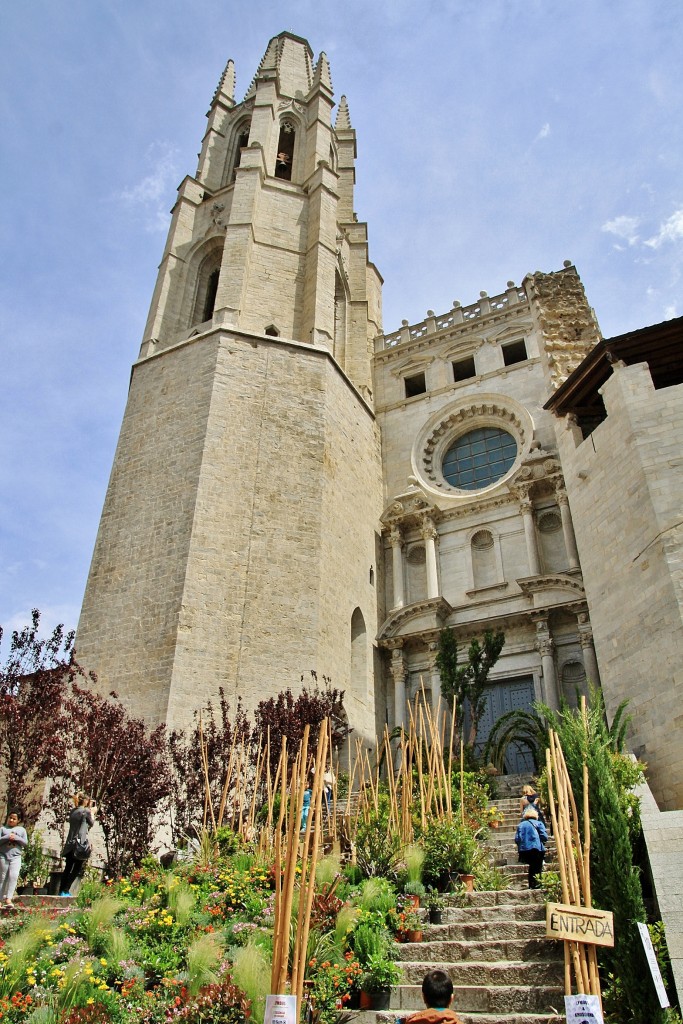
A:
294	489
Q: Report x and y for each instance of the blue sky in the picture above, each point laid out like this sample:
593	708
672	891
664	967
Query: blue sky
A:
494	139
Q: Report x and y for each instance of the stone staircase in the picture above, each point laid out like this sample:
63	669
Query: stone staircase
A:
493	946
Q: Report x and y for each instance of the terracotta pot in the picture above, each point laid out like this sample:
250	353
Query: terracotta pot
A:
494	824
415	936
413	901
468	882
365	1001
401	935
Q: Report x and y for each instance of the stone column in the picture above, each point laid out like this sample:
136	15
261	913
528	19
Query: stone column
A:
396	541
527	510
399	671
429	534
590	661
567	528
544	646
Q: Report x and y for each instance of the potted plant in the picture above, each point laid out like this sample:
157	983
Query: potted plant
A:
413	926
468	858
495	817
414	892
414	857
380	974
435	905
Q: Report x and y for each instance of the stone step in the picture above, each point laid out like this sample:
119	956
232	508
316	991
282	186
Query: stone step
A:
497	897
478	930
486	972
488	998
392	1016
531	947
522	911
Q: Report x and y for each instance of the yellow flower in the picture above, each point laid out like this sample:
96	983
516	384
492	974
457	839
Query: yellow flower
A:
103	961
90	1001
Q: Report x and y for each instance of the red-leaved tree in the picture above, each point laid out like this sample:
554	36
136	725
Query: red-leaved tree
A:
35	684
118	763
218	734
287	715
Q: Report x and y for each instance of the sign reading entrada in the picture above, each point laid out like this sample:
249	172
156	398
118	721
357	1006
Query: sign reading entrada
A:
579	924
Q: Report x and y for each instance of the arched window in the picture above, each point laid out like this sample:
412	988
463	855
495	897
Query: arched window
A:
484	571
241	142
359	654
207	287
339	320
285	151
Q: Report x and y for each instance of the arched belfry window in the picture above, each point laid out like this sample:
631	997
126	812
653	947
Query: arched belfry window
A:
241	142
207	287
285	151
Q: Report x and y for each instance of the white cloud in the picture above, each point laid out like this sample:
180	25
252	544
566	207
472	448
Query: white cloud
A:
544	132
670	231
670	312
623	227
155	191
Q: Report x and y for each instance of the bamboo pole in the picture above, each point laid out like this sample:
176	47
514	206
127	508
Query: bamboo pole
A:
307	891
226	782
296	804
205	765
277	931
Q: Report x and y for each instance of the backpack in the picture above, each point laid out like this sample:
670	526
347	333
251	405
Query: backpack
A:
82	846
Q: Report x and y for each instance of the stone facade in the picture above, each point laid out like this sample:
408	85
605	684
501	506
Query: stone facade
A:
500	555
295	490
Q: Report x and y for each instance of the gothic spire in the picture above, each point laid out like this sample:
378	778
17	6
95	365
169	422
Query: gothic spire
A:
226	85
343	122
322	74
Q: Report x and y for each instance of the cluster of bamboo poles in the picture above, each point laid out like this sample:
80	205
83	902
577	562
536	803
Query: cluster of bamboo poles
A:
289	843
573	855
247	784
422	747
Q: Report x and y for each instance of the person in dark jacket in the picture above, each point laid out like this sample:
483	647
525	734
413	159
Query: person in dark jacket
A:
82	813
437	992
531	837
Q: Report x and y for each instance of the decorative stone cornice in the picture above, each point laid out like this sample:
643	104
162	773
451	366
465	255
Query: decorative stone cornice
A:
437	609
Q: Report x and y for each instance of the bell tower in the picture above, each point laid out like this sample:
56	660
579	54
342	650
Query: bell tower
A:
237	544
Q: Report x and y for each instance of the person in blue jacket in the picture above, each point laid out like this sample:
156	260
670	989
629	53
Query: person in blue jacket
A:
531	837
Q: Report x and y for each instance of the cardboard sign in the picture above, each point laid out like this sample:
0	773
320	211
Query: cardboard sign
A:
579	924
280	1010
654	966
583	1010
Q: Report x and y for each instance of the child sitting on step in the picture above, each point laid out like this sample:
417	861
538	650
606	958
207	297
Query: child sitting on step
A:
437	992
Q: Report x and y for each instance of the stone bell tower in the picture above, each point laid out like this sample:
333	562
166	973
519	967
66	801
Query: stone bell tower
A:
237	546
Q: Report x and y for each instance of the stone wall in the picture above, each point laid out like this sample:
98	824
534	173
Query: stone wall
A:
238	530
625	486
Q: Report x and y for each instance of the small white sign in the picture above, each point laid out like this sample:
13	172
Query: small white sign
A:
280	1010
583	1010
654	966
